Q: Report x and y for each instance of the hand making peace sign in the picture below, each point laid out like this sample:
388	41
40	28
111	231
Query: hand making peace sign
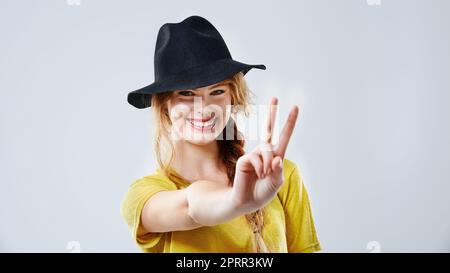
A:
259	174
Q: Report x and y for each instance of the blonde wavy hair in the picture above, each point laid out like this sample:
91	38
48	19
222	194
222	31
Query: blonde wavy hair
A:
229	149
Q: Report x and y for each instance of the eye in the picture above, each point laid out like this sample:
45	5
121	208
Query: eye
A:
217	92
186	93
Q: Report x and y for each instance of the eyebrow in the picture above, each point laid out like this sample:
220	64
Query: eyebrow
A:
216	85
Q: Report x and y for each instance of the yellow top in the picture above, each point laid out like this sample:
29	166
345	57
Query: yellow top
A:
288	221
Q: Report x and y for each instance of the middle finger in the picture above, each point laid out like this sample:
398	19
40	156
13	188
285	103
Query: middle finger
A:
266	147
270	122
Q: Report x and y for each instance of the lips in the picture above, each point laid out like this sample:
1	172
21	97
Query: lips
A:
202	124
201	119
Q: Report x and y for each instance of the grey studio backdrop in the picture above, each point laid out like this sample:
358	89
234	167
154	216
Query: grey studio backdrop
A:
372	142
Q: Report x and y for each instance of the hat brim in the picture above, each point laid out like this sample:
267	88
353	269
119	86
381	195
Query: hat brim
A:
196	77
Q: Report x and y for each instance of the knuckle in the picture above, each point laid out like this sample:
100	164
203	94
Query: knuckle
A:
241	160
266	148
254	154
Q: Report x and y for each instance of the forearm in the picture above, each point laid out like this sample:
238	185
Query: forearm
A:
210	203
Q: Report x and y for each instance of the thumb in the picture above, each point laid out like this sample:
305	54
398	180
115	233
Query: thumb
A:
277	171
277	164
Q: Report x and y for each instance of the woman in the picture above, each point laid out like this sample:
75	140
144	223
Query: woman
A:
208	195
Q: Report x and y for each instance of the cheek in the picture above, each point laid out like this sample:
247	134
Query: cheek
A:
178	111
223	107
226	108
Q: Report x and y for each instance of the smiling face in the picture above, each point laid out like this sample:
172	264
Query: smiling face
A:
199	115
165	105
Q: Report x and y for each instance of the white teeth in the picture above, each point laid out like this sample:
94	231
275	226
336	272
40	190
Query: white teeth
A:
202	124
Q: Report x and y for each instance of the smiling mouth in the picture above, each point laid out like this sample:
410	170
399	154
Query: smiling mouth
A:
202	125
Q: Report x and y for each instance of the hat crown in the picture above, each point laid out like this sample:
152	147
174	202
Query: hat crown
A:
187	44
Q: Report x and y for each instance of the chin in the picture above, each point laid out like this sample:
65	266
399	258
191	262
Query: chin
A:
200	142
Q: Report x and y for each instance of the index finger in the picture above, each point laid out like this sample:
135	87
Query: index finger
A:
287	132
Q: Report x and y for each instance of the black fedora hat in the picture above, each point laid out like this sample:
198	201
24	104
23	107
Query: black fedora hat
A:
189	54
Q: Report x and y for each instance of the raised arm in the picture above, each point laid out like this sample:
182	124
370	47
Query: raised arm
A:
259	176
173	210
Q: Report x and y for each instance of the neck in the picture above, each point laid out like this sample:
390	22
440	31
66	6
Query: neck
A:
197	162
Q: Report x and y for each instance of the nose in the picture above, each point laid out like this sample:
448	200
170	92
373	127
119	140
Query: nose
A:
203	109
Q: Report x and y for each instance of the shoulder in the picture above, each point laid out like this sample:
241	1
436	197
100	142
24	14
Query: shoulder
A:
290	168
157	178
293	182
143	187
